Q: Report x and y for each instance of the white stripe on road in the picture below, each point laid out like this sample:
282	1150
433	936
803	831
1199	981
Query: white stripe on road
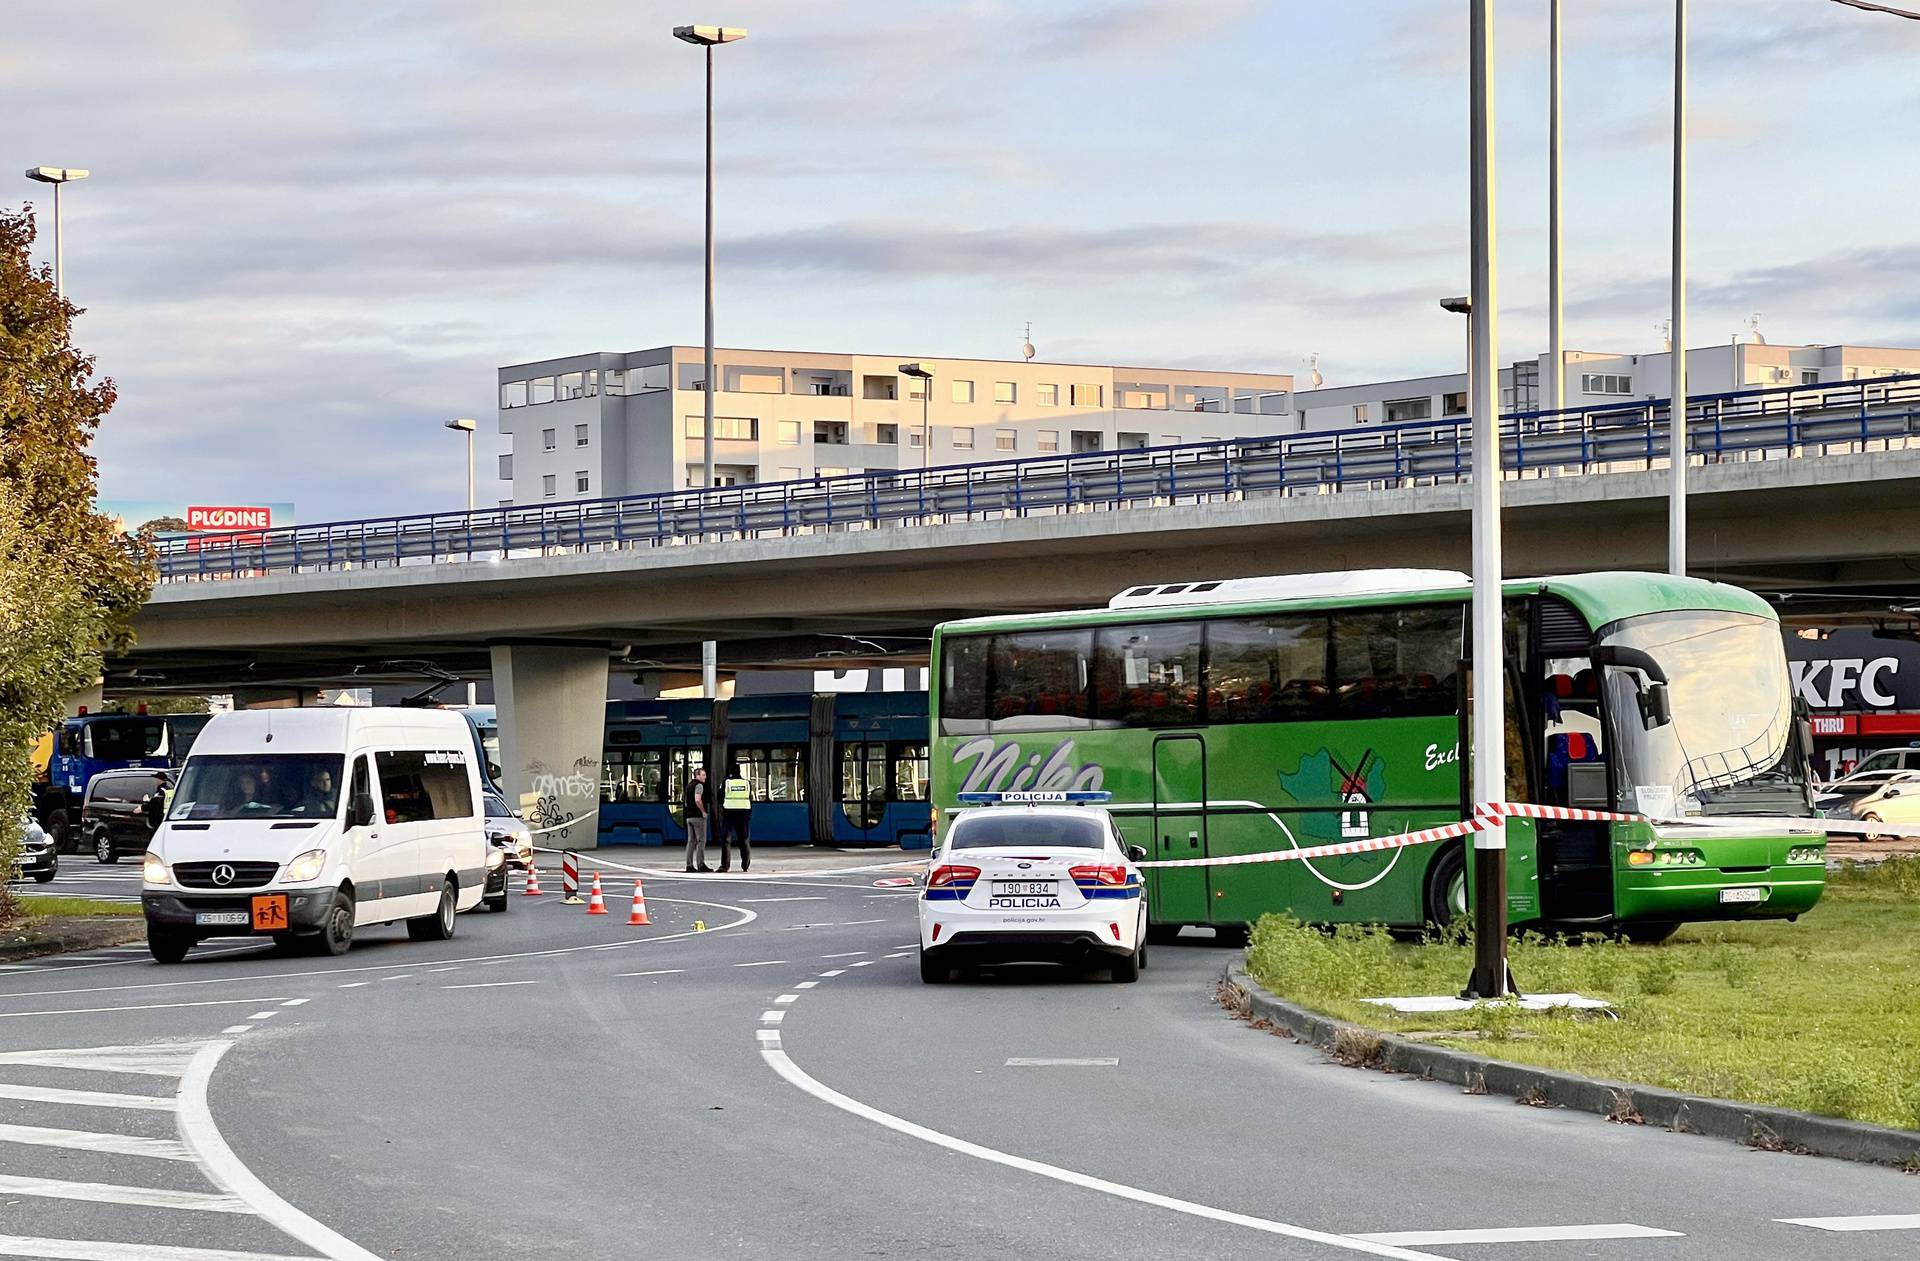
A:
655	972
821	897
487	985
806	985
764	963
787	998
853	923
295	1002
263	1015
1043	1062
778	1060
89	1141
864	963
845	954
85	1098
237	1029
220	1165
101	1250
835	972
354	985
108	1193
95	1011
1519	1234
772	1017
159	1061
1880	1221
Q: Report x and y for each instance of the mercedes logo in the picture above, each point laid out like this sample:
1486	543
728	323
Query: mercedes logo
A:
223	874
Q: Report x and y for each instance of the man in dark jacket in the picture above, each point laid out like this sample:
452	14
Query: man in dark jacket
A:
698	804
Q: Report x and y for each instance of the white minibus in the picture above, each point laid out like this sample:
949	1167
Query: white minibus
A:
306	824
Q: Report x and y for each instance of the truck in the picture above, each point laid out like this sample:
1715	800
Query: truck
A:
84	745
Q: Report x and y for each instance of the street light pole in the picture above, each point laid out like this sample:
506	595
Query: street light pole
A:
1557	377
1677	411
924	375
467	426
1489	978
56	176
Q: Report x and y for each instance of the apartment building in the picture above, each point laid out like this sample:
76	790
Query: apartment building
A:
598	425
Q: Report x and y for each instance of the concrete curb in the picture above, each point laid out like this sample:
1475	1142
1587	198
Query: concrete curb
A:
71	935
1775	1129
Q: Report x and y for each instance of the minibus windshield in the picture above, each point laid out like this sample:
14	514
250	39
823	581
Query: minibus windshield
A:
259	786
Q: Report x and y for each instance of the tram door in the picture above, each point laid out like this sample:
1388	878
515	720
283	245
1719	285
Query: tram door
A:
1179	894
863	787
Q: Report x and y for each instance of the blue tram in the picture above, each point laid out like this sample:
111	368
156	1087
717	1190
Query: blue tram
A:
835	768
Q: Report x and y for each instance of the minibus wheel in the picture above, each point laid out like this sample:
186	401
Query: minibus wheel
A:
439	925
336	932
167	945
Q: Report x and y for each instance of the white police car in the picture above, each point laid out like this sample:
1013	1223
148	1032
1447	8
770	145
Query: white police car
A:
1033	876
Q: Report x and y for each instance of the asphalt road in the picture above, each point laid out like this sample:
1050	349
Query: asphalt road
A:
779	1082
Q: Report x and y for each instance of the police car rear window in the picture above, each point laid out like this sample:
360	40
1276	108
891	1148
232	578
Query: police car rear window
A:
1017	828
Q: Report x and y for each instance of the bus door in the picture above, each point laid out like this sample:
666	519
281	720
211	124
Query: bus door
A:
863	790
1179	894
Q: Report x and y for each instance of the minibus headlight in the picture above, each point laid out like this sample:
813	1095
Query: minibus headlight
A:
153	869
307	866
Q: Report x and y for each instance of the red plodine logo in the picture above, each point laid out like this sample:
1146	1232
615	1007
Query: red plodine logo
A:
214	517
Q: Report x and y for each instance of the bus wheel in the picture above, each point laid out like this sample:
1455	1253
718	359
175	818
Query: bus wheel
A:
1648	934
1447	888
439	925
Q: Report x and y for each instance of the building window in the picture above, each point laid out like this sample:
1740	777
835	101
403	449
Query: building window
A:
1141	398
572	385
1088	440
917	388
1605	383
513	394
872	387
1006	440
1049	438
1004	392
506	468
1133	441
790	432
579	435
1087	395
1402	410
540	390
581	483
547	488
1454	404
1359	413
963	438
548	440
789	473
725	428
1047	395
828	470
916	437
832	433
963	391
887	435
1809	376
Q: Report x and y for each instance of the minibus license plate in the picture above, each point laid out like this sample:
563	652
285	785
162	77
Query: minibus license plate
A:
270	913
1017	888
1743	895
214	918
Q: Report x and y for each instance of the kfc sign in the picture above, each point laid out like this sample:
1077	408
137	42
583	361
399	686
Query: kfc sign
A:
224	519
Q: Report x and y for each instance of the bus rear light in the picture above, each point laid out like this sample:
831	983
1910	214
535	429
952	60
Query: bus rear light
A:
949	874
1099	875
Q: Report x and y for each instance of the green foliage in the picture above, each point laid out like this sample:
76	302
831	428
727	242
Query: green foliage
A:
91	908
69	583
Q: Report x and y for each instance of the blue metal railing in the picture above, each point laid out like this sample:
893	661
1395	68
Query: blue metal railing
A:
1804	420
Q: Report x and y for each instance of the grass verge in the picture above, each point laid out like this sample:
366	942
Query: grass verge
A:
38	909
1821	1016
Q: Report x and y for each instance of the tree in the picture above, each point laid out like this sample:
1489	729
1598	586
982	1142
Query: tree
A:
69	582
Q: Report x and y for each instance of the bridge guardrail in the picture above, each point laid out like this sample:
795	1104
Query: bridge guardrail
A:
1782	422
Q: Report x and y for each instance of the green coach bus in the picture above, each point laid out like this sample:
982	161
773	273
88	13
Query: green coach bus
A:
1250	715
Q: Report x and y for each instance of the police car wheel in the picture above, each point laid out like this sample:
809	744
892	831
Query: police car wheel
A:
1127	970
934	972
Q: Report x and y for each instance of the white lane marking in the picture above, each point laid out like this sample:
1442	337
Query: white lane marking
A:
85	1098
835	972
162	1060
746	917
354	985
900	955
817	897
399	977
295	1002
109	1193
90	1141
772	1017
806	985
95	1011
101	1250
764	963
794	1075
430	971
263	1015
236	1029
1095	1061
655	972
487	985
1519	1234
853	923
787	998
864	963
217	1161
1879	1221
845	954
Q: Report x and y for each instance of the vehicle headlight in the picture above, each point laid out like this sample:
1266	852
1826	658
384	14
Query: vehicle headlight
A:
307	865
153	869
495	856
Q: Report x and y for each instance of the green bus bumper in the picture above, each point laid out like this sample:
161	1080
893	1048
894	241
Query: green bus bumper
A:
1697	893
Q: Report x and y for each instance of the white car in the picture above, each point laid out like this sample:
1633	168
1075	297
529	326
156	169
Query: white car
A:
1034	876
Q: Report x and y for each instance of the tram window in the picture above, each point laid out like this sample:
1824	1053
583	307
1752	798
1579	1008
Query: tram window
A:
681	764
1039	680
1148	675
1396	663
775	772
909	772
1267	669
631	775
963	685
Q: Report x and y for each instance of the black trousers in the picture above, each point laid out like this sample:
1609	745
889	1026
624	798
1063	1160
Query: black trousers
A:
733	830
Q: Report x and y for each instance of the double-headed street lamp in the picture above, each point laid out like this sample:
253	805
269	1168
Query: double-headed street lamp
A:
56	176
925	376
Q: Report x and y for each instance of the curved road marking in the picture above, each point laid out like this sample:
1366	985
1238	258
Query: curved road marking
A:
779	1062
202	1138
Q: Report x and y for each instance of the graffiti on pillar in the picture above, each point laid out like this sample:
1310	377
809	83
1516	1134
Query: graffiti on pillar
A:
550	793
548	818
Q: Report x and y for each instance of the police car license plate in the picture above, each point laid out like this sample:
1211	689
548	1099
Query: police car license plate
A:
1018	888
1743	895
222	917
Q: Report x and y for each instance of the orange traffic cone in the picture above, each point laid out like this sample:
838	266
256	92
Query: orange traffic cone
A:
639	917
596	904
533	881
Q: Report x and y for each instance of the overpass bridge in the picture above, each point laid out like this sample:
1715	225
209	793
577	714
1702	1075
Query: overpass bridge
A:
1804	493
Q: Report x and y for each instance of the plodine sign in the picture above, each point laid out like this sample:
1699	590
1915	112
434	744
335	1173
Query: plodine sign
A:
223	517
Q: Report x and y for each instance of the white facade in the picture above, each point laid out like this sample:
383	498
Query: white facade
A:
600	425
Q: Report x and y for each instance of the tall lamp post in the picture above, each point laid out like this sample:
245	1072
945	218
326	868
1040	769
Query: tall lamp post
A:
1677	408
56	176
1489	978
1557	377
925	376
467	426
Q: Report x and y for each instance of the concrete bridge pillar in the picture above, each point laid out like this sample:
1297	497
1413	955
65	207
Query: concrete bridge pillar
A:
552	704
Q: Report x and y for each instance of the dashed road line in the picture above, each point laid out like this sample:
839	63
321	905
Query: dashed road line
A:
845	954
818	897
900	954
102	1250
354	985
787	998
655	972
835	972
1091	1061
263	1015
295	1002
806	985
863	963
96	1011
85	1098
772	1017
763	963
854	923
1518	1234
110	1193
90	1141
1878	1221
487	985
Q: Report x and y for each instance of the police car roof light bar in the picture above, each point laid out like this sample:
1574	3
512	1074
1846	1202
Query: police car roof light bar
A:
1076	797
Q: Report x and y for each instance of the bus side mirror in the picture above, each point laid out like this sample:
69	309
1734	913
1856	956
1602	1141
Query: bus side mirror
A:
1656	708
360	810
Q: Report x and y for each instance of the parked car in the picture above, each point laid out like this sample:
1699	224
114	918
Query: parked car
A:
1904	758
511	839
122	811
38	857
1874	796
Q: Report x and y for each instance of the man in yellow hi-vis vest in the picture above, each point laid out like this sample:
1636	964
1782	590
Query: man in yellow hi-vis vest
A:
736	803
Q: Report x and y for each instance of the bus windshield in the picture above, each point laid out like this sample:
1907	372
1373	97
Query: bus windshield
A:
1729	748
259	786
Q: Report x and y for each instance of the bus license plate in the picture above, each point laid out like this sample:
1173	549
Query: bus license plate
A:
1020	888
1743	895
220	918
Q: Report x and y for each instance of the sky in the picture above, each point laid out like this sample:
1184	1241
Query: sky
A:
313	231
